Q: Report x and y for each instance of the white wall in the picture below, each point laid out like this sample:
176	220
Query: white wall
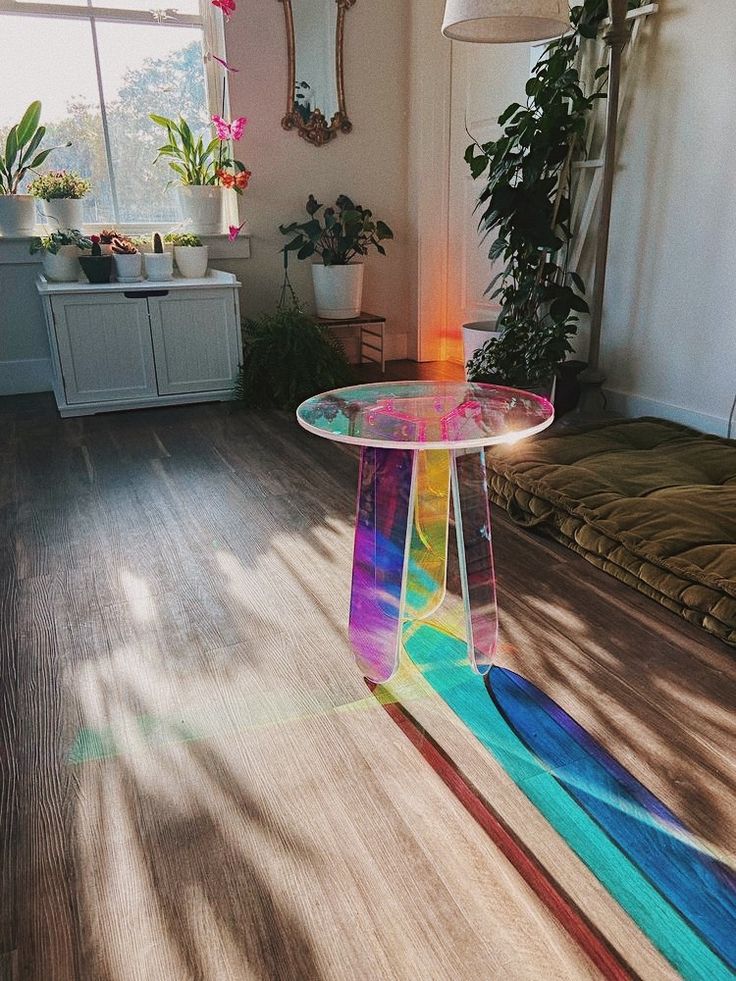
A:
669	341
369	164
669	332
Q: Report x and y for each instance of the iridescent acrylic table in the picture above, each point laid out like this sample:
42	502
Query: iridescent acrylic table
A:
421	441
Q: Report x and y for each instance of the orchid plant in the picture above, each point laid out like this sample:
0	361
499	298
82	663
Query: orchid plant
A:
198	161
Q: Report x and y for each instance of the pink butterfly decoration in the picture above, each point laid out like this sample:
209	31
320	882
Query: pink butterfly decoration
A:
234	231
229	131
228	7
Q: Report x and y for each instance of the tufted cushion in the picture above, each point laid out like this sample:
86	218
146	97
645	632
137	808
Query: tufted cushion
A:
651	502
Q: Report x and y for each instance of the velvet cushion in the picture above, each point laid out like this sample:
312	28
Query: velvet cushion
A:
651	502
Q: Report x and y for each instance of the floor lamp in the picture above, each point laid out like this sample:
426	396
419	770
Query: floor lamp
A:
502	21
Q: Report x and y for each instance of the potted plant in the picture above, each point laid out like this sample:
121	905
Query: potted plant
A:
159	263
347	232
127	260
287	358
60	251
60	194
204	170
21	154
97	266
526	212
189	253
107	237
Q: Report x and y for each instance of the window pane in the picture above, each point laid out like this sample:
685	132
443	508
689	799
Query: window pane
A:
68	95
145	69
162	11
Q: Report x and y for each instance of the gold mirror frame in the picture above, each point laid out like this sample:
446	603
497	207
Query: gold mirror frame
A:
318	130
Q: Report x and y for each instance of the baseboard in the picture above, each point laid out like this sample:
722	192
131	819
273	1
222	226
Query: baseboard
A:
21	377
396	346
629	404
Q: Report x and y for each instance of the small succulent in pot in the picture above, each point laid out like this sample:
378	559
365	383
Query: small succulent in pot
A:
159	264
127	260
107	235
190	254
60	251
97	267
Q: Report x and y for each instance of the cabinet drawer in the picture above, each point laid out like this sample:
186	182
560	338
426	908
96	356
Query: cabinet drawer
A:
196	341
104	347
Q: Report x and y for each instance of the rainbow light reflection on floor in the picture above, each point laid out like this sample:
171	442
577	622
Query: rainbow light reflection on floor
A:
679	894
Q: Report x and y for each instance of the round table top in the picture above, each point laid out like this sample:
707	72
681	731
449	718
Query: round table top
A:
429	415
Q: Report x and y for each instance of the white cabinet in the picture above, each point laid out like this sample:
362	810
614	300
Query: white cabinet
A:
122	346
104	348
196	350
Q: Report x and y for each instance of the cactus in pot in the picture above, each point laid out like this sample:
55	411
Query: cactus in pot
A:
159	264
97	267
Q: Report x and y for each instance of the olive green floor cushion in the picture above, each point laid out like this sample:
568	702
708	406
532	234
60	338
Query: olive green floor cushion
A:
650	502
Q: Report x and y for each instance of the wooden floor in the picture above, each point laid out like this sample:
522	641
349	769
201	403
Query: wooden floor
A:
196	782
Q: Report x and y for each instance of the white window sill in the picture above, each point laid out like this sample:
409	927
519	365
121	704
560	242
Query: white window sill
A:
15	251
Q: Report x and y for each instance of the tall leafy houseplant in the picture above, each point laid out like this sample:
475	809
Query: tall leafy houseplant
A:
22	153
344	234
525	211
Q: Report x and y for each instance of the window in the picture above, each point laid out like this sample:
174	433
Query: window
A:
99	69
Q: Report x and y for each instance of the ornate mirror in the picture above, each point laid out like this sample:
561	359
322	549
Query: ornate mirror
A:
316	95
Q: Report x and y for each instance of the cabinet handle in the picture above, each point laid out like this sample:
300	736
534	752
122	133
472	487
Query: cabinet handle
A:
144	294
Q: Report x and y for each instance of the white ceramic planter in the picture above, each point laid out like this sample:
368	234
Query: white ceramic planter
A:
338	290
62	267
476	334
191	260
61	213
203	208
17	215
159	266
128	268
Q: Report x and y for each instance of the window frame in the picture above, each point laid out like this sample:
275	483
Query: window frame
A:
208	19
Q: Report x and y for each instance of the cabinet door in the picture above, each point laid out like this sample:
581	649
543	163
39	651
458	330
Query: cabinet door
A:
104	347
195	340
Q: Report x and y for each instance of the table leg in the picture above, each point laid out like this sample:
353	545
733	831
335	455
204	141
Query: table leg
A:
383	532
475	556
427	576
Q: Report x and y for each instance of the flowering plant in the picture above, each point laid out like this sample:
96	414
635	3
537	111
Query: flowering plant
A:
59	184
197	162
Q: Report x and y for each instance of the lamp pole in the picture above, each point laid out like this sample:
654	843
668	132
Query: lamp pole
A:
616	38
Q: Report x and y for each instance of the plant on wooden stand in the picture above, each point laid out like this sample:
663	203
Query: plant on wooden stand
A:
525	205
346	233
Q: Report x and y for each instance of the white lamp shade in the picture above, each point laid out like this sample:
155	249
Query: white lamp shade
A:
502	21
